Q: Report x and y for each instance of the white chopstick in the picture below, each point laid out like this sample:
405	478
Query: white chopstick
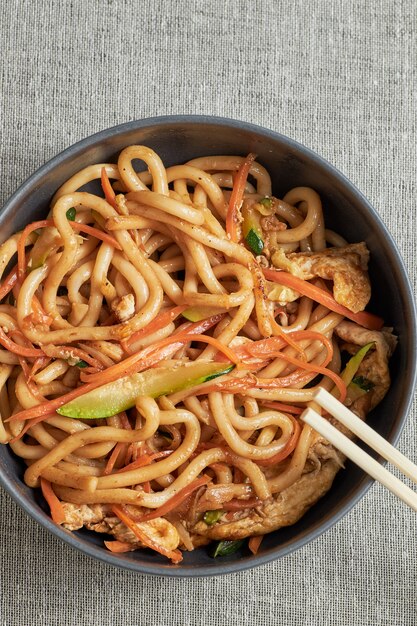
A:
356	454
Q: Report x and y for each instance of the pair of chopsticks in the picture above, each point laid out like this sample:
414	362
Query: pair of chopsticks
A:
343	415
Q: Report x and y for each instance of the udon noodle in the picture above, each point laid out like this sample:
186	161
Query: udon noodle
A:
161	338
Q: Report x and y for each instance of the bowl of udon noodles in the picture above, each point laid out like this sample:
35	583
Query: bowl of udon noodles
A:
173	291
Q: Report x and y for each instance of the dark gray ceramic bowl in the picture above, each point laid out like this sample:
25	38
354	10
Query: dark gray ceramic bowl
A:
177	139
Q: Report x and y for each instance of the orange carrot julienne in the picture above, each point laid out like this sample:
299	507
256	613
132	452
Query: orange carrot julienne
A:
174	555
113	458
285	408
176	500
363	318
236	198
21	244
286	337
157	323
40	362
272	346
137	362
39	314
109	193
146	486
65	352
55	505
254	543
186	337
18	349
304	365
264	349
118	547
49	407
151	355
144	460
98	234
90	230
32	387
8	283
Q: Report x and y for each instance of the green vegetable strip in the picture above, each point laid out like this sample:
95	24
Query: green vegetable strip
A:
266	202
211	517
252	230
120	395
363	383
225	548
353	364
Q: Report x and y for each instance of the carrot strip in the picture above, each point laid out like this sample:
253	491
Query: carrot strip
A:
146	487
38	364
267	348
55	505
311	367
287	337
98	234
8	343
213	342
142	461
113	458
364	318
118	547
151	355
176	500
21	244
90	230
285	408
236	199
32	387
8	283
39	315
49	407
174	555
65	352
241	384
254	543
158	322
137	362
109	193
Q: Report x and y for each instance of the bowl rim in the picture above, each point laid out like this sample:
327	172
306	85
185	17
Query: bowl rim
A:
90	549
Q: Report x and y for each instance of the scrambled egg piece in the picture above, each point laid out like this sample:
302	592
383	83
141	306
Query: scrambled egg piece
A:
346	267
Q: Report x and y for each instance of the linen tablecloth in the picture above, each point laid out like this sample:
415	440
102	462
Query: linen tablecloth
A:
336	75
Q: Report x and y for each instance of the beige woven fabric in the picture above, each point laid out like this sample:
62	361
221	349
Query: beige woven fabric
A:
337	75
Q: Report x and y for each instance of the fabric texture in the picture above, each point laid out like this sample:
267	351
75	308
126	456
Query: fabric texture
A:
336	75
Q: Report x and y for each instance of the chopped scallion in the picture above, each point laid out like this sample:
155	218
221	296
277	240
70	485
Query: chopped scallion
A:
364	383
71	213
211	517
266	202
225	548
